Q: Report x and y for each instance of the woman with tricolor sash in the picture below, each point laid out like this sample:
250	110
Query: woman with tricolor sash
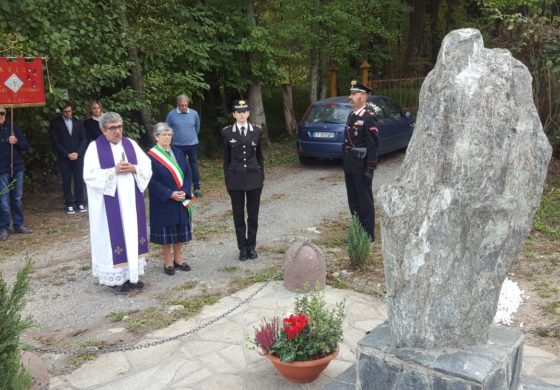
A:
170	199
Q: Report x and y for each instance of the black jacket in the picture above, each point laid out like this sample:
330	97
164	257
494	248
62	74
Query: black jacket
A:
5	153
360	132
92	129
243	158
63	143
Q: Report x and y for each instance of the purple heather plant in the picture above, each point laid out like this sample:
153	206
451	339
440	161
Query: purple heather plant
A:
267	333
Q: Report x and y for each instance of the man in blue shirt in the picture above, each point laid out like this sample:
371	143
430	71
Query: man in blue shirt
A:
185	123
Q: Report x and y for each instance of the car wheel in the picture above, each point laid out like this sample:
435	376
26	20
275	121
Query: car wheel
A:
306	160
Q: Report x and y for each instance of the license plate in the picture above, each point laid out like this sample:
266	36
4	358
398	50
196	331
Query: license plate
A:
323	134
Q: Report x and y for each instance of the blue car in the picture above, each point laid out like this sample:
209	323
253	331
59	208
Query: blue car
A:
321	131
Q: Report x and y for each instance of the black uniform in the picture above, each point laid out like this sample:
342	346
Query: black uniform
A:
244	177
360	134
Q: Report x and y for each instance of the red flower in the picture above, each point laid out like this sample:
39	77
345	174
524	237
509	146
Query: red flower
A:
294	324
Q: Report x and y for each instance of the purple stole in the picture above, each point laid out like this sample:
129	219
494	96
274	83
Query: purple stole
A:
112	208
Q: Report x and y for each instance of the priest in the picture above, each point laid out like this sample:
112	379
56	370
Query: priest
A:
116	173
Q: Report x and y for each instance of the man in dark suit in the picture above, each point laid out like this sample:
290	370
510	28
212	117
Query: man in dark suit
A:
244	176
69	143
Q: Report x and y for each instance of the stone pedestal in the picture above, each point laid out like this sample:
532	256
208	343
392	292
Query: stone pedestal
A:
495	365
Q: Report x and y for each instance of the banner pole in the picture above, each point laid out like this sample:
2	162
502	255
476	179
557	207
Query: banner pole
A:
12	145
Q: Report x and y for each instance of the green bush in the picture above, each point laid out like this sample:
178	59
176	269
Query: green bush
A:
358	243
13	376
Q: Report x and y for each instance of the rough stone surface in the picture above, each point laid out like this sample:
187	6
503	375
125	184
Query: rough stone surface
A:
38	369
494	365
304	267
463	202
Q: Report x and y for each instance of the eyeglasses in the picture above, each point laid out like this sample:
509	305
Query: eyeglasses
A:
66	111
115	128
2	113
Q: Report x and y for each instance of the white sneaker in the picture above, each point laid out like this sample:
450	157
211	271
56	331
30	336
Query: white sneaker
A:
70	210
82	208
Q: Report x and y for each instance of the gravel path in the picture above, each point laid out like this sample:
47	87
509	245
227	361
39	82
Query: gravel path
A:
70	306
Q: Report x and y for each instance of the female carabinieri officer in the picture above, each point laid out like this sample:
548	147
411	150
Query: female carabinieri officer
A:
244	176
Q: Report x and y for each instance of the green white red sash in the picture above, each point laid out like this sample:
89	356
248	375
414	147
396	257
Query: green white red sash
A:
168	162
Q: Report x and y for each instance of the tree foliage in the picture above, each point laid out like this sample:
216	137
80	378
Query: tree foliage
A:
12	325
135	56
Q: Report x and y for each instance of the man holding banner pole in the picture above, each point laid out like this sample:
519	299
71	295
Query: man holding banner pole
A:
21	85
12	143
117	172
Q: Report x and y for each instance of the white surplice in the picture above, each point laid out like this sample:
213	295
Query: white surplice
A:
101	182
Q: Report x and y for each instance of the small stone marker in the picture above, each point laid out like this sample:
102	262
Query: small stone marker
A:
304	267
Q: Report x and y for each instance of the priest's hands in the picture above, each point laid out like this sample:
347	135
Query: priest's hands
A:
179	196
125	167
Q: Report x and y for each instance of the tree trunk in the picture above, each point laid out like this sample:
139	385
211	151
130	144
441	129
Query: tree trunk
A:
415	33
323	75
136	76
435	36
314	75
255	92
257	109
289	113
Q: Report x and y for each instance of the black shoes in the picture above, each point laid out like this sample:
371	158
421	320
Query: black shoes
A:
4	234
136	286
252	254
23	230
169	270
121	290
243	254
182	266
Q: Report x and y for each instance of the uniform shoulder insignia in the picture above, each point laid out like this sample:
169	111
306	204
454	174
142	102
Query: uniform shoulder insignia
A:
226	129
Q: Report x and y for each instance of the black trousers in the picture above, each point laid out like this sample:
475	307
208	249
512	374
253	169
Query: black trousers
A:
72	169
360	200
246	232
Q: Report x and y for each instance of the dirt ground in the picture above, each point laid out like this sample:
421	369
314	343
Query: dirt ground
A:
72	311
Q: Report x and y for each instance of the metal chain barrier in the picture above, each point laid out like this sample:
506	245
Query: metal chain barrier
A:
63	351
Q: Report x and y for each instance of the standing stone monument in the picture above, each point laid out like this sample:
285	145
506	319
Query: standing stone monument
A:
454	221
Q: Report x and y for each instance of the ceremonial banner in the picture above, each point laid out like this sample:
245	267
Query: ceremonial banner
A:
21	82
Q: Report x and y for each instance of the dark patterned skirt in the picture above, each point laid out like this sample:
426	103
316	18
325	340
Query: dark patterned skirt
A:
171	234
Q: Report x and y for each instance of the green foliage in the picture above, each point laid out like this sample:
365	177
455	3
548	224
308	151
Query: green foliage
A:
12	325
531	30
322	334
547	218
358	243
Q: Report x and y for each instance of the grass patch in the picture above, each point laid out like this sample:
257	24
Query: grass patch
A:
192	306
552	308
547	290
206	231
117	316
229	268
153	318
79	359
89	344
256	277
547	218
187	285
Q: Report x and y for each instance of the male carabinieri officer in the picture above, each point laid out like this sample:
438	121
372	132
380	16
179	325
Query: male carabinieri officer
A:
244	176
360	157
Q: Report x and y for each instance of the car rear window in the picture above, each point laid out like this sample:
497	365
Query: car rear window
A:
328	113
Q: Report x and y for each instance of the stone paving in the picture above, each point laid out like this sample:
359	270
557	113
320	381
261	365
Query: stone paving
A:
219	357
